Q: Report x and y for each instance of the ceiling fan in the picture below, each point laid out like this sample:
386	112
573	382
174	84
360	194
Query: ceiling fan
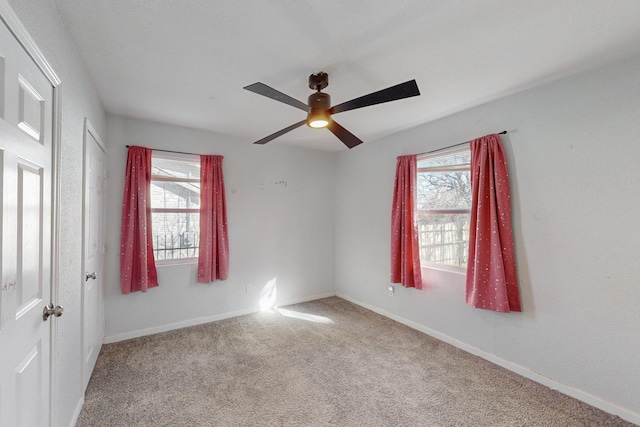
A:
319	110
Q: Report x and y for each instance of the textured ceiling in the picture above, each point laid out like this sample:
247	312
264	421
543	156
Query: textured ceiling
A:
186	62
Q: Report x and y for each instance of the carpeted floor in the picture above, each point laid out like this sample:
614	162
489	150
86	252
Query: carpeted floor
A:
322	363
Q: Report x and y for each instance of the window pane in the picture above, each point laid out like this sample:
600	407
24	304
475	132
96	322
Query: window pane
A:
458	158
175	195
444	202
441	190
444	238
175	235
175	168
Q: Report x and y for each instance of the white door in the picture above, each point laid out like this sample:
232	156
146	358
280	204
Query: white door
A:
94	249
26	167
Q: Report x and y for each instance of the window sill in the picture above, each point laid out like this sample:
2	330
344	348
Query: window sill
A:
170	262
462	271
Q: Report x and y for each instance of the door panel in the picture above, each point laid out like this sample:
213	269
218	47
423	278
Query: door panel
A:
26	153
28	376
30	109
30	263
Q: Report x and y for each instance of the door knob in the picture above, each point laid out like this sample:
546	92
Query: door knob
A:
51	310
88	276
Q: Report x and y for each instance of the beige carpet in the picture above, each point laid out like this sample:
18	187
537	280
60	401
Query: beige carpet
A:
322	363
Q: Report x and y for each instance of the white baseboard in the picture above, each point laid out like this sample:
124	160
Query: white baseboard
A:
581	395
207	319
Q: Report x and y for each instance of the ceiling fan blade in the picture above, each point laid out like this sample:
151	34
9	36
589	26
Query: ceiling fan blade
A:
269	92
280	132
393	93
349	139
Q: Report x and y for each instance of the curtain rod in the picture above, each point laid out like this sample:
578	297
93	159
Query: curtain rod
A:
504	132
170	151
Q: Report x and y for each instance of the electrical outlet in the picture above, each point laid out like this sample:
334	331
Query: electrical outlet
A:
249	289
390	290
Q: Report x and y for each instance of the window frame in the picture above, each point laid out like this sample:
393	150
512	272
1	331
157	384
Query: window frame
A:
193	158
450	168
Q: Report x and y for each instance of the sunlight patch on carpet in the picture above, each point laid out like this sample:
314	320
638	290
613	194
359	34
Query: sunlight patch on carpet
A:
303	316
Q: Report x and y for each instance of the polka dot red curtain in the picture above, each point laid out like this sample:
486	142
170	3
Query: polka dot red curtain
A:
137	265
492	281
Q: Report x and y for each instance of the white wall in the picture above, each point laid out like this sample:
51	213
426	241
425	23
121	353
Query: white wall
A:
79	100
574	150
280	216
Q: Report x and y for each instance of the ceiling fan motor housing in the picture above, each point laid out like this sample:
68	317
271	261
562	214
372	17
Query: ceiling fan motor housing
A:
319	104
319	101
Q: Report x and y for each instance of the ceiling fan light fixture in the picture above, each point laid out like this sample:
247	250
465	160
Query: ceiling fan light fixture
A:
319	104
318	119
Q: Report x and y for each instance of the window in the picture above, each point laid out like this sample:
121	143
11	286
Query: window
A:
444	202
175	207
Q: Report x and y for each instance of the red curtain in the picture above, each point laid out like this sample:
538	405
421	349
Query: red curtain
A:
137	266
213	259
405	255
492	282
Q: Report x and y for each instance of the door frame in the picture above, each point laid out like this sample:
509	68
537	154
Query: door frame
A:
13	23
89	132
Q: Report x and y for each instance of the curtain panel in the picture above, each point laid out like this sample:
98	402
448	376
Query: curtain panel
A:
213	258
137	265
492	281
405	251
